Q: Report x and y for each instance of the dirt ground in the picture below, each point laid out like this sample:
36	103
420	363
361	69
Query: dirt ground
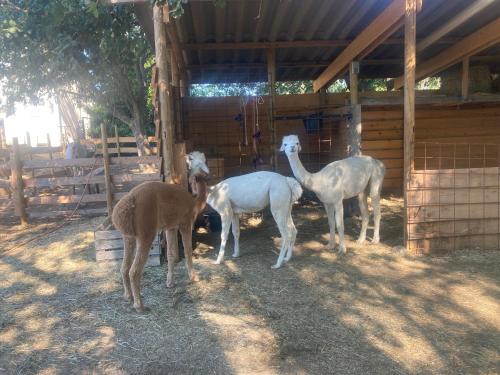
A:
374	310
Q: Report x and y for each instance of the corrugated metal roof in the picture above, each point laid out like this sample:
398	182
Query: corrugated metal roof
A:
304	20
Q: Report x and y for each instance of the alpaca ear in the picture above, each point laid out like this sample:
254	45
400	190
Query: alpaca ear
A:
282	147
299	147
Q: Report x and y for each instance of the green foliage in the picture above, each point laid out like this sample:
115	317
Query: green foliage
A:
339	85
77	45
429	83
229	89
176	6
294	87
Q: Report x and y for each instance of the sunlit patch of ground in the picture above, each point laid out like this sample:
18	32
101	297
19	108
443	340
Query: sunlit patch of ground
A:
372	310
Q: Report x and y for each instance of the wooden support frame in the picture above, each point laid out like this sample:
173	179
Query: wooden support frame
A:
478	41
353	82
409	102
373	35
162	61
452	24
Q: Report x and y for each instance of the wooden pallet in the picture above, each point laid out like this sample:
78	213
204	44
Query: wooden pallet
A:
109	248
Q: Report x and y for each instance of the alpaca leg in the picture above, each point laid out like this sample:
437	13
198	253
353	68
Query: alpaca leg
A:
135	273
281	220
339	219
235	226
224	234
376	218
172	255
186	234
363	207
293	236
128	257
330	212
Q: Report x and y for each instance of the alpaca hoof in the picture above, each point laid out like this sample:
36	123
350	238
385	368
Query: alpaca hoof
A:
170	283
194	278
275	266
127	297
375	240
342	250
218	261
331	247
142	309
236	255
360	240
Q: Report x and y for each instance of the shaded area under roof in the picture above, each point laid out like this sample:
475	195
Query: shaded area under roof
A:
307	20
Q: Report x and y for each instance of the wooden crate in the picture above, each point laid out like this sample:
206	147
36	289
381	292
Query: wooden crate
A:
109	247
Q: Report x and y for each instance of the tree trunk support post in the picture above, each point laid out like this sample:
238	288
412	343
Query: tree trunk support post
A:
17	182
409	104
271	81
107	172
3	139
353	82
49	145
162	61
465	78
354	131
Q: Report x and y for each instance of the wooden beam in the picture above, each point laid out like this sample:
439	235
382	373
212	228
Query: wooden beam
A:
333	43
452	24
479	40
374	34
162	61
409	102
465	78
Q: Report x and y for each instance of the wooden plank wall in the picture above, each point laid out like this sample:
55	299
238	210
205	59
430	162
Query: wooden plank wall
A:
213	130
464	129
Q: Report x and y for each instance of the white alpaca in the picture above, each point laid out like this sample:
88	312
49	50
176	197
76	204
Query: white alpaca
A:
251	193
343	179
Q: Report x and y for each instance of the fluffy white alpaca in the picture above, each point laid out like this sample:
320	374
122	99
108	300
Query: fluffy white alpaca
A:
342	179
251	193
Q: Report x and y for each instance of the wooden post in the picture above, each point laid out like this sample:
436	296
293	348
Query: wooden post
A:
49	145
17	182
30	156
117	139
3	139
271	81
354	131
167	133
353	82
107	172
465	78
409	103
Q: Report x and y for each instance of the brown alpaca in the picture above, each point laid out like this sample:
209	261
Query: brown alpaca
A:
154	206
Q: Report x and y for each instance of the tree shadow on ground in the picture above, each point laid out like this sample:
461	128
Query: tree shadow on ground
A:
372	310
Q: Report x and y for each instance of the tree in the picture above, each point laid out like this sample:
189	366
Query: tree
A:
47	46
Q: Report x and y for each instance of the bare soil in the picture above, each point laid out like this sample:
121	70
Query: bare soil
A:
374	310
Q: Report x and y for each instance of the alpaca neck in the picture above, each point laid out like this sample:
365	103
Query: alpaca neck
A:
300	173
201	198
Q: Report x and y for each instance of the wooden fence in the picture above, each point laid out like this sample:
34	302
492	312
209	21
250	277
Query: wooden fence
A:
48	186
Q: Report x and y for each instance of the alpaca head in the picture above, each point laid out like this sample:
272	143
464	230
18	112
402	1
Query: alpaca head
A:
197	164
290	144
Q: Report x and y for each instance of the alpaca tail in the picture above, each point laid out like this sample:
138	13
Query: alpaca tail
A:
295	188
123	215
